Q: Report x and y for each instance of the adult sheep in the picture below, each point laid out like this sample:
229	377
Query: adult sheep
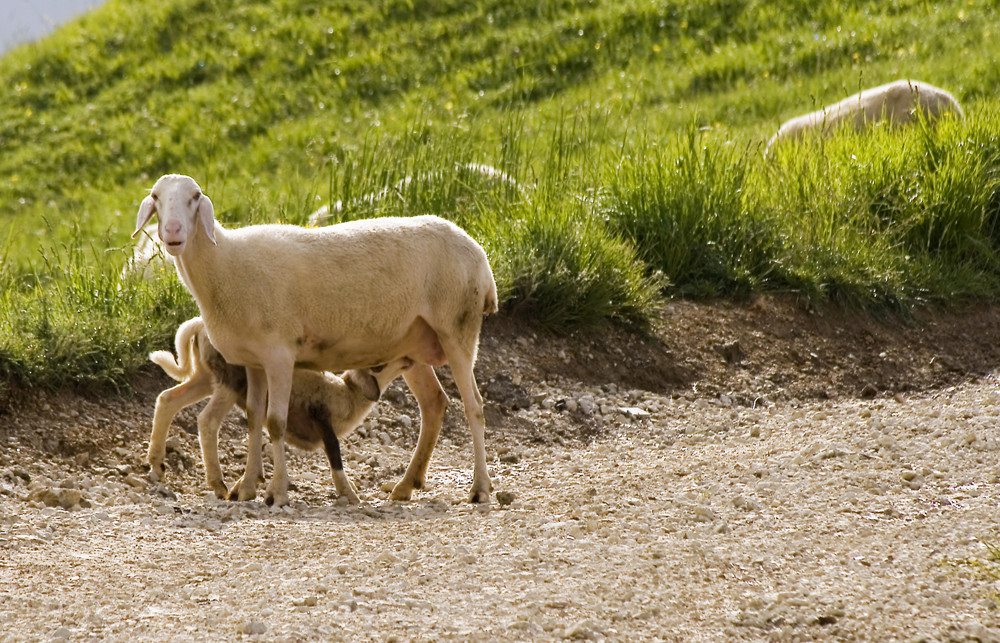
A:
897	103
351	295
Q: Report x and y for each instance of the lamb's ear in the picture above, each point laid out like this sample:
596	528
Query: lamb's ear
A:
146	210
206	214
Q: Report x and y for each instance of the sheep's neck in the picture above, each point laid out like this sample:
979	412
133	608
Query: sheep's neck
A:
197	267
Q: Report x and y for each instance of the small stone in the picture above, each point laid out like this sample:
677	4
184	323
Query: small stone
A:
253	627
704	514
505	498
134	481
582	631
634	413
388	558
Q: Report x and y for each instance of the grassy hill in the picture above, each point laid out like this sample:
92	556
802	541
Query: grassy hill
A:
632	132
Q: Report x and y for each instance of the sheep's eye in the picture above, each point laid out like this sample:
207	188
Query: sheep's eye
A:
155	197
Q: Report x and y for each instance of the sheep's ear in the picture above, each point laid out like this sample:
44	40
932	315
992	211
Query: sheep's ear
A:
206	214
146	210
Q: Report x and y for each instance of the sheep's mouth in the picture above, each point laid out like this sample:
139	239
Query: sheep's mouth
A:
174	247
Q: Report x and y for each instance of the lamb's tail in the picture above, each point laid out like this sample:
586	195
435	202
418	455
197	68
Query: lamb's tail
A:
185	341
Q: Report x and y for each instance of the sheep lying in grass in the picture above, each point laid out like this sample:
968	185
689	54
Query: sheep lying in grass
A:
470	173
351	295
897	103
322	407
148	258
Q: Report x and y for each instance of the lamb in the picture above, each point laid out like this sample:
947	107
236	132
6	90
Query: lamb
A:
352	295
896	103
323	407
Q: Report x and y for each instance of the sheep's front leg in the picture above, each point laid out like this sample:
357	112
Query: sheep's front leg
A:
433	401
209	421
279	386
246	487
168	405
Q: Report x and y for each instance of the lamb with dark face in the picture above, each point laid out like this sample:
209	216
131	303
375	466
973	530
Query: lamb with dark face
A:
323	407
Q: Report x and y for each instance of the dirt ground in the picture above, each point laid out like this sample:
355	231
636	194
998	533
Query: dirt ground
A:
754	471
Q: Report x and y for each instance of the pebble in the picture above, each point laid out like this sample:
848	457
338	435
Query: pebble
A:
634	413
252	627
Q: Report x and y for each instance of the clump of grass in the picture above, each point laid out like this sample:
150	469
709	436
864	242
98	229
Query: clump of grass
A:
562	270
685	206
75	321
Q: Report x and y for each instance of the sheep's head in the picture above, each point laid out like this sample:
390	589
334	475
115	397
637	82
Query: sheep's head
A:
180	207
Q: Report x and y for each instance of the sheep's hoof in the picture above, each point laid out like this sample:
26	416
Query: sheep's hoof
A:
276	500
480	497
481	492
402	492
220	490
241	493
157	472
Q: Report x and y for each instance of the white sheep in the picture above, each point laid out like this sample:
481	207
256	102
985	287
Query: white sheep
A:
896	103
322	409
323	214
351	295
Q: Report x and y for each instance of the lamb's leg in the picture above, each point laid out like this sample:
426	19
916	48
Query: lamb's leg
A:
461	369
168	404
279	387
433	401
209	421
246	487
332	446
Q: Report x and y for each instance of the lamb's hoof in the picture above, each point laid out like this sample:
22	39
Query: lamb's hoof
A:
221	491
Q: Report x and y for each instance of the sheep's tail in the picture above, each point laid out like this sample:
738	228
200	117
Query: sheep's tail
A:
491	301
181	368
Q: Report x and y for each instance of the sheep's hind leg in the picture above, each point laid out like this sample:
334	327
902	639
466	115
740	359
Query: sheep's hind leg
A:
168	405
433	402
465	379
246	487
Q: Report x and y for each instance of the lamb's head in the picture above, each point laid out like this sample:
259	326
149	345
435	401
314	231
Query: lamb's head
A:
180	207
370	382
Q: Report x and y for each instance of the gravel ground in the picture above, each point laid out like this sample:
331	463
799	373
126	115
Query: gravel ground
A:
722	504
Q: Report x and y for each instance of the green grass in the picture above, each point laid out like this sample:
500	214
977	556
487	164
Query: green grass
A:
631	132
